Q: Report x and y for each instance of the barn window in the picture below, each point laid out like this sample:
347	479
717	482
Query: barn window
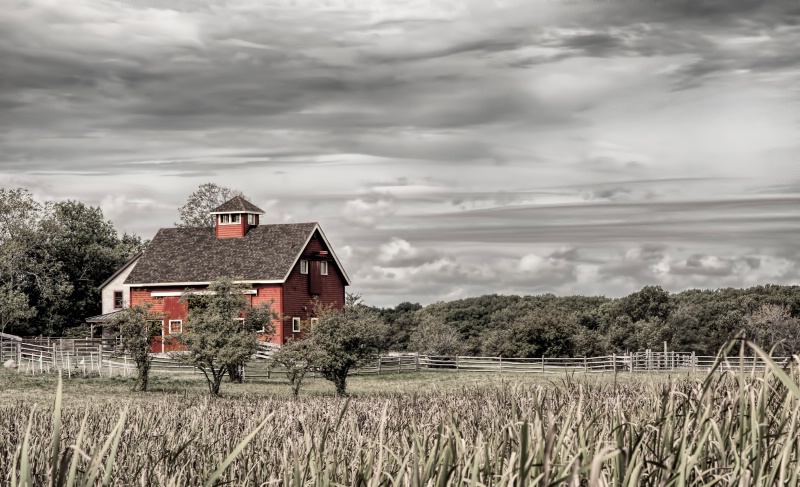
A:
230	219
295	325
303	267
175	327
323	268
117	299
251	219
314	322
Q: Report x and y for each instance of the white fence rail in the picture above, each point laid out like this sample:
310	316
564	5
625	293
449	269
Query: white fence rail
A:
634	362
98	356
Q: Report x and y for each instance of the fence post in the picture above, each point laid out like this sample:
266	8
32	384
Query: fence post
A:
630	357
456	363
501	364
614	361
694	364
379	365
399	364
543	364
416	363
99	357
55	367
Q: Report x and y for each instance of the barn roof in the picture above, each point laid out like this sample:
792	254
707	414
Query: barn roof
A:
184	256
237	204
127	264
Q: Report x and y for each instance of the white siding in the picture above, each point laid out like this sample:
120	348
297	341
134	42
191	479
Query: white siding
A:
116	284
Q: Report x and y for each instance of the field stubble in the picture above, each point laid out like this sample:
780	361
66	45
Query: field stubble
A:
724	428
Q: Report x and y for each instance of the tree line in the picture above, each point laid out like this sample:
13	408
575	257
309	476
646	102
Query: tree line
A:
547	325
53	256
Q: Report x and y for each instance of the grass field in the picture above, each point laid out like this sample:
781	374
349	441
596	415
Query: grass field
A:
407	429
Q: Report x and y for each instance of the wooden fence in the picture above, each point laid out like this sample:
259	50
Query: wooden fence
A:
9	347
86	356
647	361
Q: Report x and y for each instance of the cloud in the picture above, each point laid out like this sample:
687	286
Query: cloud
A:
368	211
452	148
400	253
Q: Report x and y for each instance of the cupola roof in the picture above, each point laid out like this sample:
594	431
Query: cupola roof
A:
237	204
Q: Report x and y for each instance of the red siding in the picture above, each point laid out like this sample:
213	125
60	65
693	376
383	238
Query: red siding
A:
235	230
296	295
267	292
172	309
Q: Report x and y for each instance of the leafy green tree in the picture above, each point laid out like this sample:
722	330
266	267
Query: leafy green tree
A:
774	328
540	332
27	265
56	255
433	336
261	318
400	322
298	358
195	212
345	339
137	326
215	338
14	306
651	302
88	250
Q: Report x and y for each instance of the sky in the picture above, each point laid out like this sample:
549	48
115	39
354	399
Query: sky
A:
448	149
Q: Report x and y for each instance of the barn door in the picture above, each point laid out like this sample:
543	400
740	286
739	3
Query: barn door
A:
314	278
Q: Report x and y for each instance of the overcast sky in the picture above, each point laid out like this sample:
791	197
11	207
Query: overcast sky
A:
449	148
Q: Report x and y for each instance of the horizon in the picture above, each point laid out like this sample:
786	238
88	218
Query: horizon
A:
448	151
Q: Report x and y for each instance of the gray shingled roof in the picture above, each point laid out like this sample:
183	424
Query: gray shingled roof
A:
237	203
265	253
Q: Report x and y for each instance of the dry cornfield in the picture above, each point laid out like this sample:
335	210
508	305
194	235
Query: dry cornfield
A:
729	428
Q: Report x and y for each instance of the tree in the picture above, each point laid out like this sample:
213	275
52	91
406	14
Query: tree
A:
260	318
547	331
298	358
88	250
56	255
137	326
215	337
345	339
433	336
774	328
400	321
27	265
196	211
13	306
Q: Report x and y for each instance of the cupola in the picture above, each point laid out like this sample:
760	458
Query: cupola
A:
235	217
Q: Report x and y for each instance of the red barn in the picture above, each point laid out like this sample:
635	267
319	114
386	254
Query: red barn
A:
291	264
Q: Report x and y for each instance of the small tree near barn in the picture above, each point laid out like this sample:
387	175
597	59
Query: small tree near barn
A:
259	318
345	339
137	326
298	358
216	338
